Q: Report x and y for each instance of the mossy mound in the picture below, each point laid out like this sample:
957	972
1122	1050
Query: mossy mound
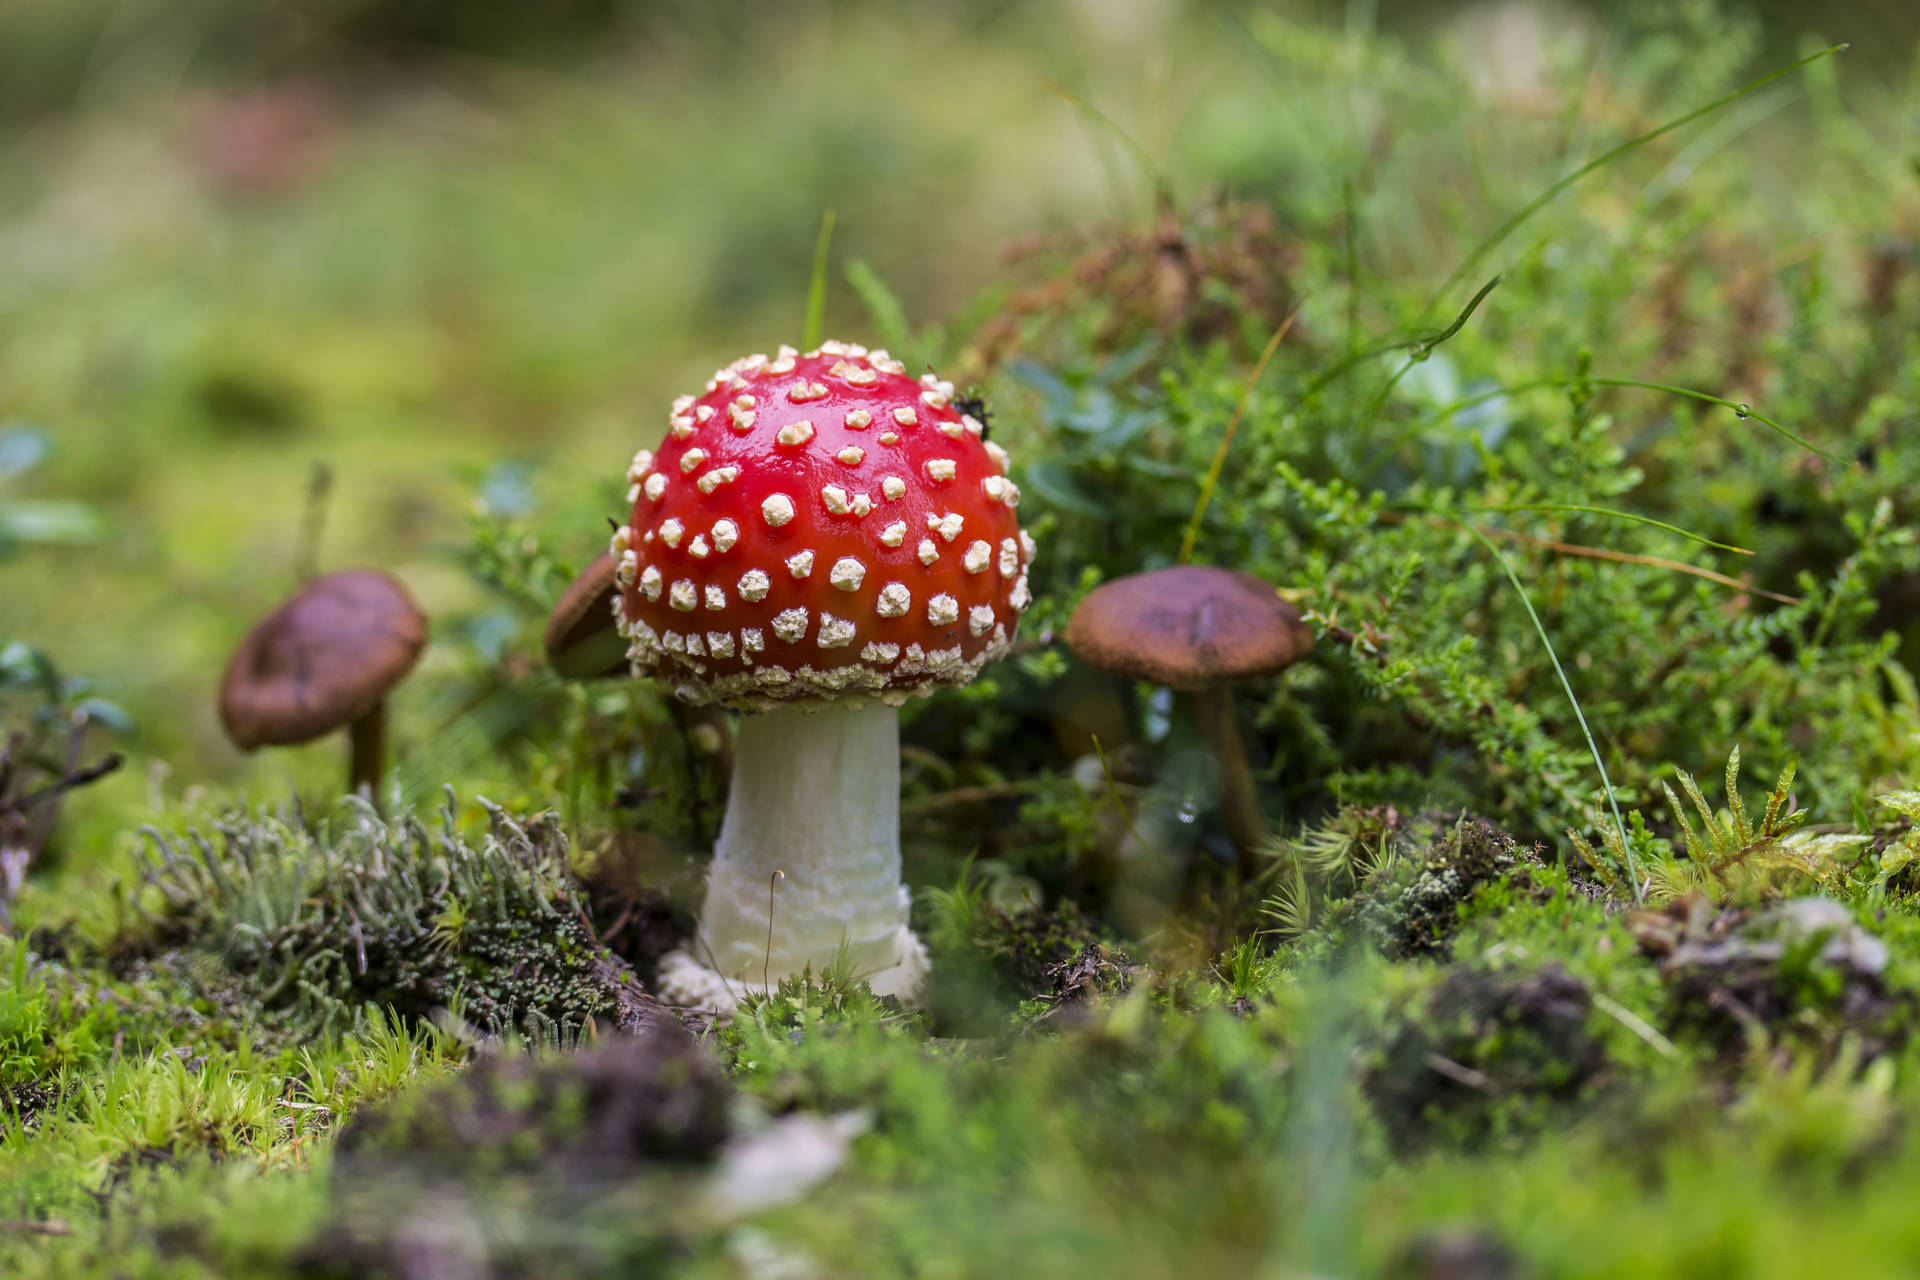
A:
561	1164
1055	954
1483	1052
1799	972
582	1116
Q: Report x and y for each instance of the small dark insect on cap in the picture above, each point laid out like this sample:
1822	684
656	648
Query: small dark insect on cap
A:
582	642
321	660
1188	627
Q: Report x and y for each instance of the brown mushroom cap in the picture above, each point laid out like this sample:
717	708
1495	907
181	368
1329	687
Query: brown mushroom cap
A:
582	641
321	660
1188	627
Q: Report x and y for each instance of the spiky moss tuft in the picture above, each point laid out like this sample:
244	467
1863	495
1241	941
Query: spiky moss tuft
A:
1415	907
314	925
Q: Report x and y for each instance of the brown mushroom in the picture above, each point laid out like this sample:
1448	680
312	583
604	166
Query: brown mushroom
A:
1199	629
325	660
582	642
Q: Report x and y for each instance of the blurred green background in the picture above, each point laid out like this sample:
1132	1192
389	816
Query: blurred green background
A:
463	254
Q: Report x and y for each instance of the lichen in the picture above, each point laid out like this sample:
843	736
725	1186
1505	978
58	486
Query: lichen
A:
315	925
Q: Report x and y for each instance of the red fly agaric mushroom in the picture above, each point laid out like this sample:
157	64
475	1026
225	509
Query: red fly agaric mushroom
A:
1197	628
322	661
819	538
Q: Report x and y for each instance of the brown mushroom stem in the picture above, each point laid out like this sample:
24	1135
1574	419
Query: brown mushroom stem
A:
1214	717
369	737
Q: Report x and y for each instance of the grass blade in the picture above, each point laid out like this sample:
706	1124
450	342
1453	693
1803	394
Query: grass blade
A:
817	285
1540	629
1546	197
1743	412
1422	348
1226	437
1422	344
1617	514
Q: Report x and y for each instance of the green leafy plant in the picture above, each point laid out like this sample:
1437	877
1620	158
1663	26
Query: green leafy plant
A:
27	522
1728	855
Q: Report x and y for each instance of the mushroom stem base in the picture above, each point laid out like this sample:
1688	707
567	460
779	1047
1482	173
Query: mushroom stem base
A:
806	872
686	983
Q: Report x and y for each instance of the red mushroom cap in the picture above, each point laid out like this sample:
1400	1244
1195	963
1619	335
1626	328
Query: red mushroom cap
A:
817	527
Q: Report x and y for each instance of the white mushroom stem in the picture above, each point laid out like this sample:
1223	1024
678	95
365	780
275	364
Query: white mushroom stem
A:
815	797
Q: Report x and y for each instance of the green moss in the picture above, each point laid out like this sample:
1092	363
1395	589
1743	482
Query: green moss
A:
1055	953
579	1116
1486	1054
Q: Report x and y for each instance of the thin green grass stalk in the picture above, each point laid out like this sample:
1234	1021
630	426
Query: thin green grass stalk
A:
1546	197
1353	271
1422	344
1740	411
1162	185
817	285
1616	514
1633	867
1421	350
1226	437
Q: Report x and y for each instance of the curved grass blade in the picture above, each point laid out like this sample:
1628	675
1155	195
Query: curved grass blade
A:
1740	411
1422	346
1617	514
817	285
1546	197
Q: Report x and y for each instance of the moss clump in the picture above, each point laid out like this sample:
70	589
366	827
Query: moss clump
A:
1455	1254
1055	954
1412	907
1484	1052
565	1163
580	1116
312	926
